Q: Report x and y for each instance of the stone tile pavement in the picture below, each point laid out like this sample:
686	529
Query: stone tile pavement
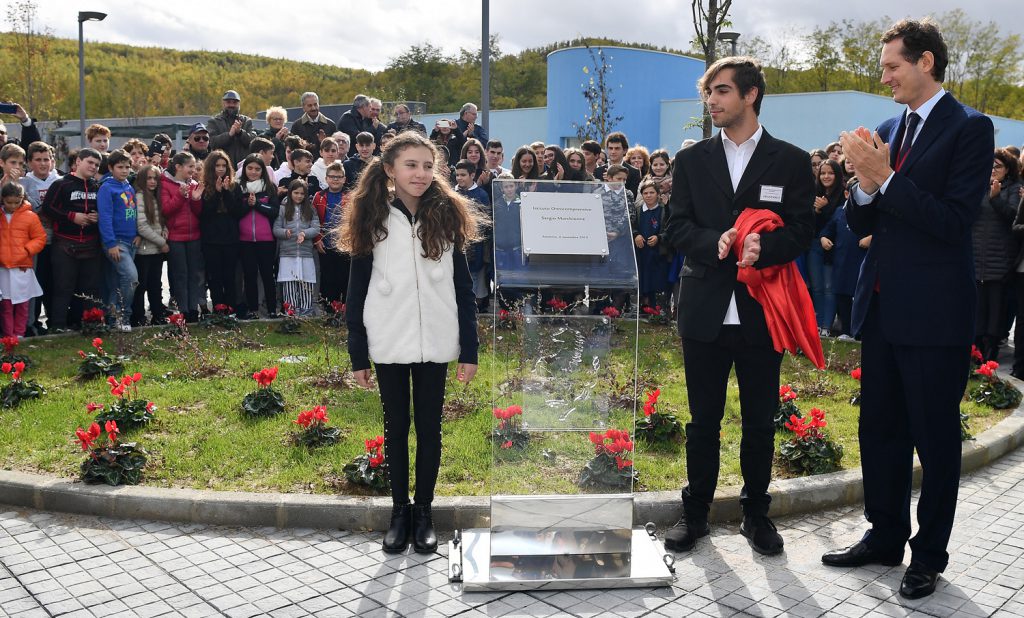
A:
65	565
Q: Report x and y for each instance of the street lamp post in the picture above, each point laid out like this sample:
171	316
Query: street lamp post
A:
730	37
485	66
83	16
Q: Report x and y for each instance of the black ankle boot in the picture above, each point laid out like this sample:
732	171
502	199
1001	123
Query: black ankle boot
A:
396	540
424	541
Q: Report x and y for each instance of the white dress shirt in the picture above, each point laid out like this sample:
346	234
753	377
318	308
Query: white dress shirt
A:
737	156
926	108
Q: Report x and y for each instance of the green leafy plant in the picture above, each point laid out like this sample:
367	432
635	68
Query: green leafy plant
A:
99	363
993	391
787	407
264	401
10	344
94	322
315	431
609	467
128	410
290	324
965	430
336	319
18	390
111	462
223	316
657	427
509	432
371	468
655	315
810	451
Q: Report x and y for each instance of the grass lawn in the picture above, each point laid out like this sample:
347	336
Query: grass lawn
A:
199	438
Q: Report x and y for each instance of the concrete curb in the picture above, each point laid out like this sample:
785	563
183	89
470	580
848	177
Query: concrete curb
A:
789	497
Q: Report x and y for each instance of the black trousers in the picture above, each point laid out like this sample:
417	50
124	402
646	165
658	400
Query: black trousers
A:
989	323
73	273
1018	331
334	269
910	399
427	397
844	309
707	367
258	261
151	285
221	260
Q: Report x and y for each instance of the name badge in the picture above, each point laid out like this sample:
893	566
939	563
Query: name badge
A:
771	193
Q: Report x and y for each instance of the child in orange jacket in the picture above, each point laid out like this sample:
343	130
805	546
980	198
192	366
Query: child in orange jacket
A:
21	237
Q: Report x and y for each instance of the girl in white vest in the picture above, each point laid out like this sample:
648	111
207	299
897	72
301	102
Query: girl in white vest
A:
411	309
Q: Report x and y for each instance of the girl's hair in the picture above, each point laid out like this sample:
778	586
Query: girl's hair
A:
151	198
12	189
305	208
471	142
210	172
837	186
661	153
645	167
1011	163
561	159
446	218
179	159
264	172
517	170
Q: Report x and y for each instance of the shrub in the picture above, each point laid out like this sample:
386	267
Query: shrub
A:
655	426
993	391
99	363
264	401
810	451
609	467
128	410
371	468
223	316
18	390
509	432
787	395
112	462
315	431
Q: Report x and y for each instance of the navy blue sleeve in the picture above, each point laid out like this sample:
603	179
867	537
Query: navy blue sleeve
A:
465	300
355	300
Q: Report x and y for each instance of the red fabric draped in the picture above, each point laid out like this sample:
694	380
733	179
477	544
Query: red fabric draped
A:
788	309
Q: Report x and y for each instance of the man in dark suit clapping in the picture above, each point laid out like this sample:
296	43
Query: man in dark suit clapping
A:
921	178
719	321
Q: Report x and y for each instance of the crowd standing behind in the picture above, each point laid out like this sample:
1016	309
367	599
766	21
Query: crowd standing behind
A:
239	212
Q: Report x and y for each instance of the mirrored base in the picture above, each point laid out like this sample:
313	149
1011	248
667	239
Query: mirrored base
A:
470	561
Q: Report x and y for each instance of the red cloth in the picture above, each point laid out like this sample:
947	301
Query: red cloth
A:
787	305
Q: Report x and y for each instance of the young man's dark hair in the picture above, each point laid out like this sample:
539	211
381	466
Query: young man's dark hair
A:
88	153
617	137
592	147
118	156
37	147
365	138
615	170
72	158
466	165
494	143
294	142
260	144
300	154
746	74
920	37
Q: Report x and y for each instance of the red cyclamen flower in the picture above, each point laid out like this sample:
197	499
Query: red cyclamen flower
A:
855	374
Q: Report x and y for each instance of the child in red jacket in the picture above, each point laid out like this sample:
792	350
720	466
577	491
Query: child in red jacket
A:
181	204
21	237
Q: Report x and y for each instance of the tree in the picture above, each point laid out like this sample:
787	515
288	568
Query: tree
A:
707	21
31	48
861	47
598	122
826	60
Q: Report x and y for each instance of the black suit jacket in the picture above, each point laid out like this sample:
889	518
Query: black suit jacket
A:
704	205
921	250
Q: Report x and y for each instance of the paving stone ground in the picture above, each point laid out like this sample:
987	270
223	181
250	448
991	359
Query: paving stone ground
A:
54	564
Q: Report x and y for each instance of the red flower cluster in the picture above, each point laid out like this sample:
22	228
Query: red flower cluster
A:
265	377
9	343
988	369
651	406
337	306
619	443
96	343
316	416
558	304
93	407
976	354
178	319
117	388
803	427
222	309
288	309
375	448
786	393
855	374
649	310
17	369
86	438
507	413
611	312
93	316
502	314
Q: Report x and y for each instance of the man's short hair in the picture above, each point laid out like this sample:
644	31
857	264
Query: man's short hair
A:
467	107
920	37
360	101
467	165
336	167
591	146
328	141
118	156
615	170
302	101
365	138
88	153
494	144
9	151
617	137
746	74
36	147
96	129
375	100
299	154
134	144
260	144
294	142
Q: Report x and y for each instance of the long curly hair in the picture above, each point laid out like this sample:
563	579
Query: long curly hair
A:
446	218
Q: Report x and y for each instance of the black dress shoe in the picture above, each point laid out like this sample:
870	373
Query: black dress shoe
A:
396	539
859	554
683	536
762	535
919	581
424	541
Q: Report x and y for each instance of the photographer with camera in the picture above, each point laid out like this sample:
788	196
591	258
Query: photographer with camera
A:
445	134
29	131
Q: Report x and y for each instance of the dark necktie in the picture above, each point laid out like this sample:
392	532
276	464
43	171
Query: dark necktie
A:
908	139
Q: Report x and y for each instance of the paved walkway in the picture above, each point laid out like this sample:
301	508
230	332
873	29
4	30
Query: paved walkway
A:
64	565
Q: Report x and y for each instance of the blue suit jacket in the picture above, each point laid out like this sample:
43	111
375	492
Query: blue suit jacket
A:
920	252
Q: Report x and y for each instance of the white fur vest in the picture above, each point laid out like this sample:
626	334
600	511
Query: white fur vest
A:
410	312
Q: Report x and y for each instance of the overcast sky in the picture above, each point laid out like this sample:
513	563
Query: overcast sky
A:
367	33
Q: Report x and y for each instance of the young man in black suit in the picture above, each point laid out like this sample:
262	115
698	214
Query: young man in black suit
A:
921	178
720	323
